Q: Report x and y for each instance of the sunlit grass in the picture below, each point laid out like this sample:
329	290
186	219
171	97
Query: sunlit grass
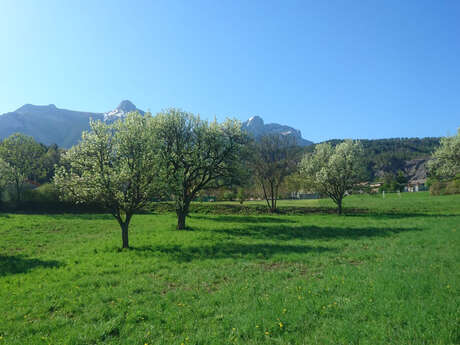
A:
390	275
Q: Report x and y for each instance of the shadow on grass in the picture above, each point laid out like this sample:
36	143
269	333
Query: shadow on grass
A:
290	232
226	250
401	215
85	216
19	264
244	219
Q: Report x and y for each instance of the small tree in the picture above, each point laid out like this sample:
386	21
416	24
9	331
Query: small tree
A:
114	166
333	171
394	182
445	164
195	155
22	153
241	195
274	158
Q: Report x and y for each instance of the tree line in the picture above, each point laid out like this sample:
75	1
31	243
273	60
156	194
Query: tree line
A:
175	155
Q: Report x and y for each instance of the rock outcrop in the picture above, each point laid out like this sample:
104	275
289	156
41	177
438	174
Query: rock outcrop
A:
256	127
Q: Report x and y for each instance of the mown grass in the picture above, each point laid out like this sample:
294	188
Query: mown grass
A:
389	275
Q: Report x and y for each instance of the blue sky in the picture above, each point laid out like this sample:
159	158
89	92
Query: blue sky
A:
333	69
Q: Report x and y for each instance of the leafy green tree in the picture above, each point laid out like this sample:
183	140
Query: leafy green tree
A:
294	183
241	195
394	182
196	154
445	163
274	158
115	166
334	171
401	180
5	176
48	162
22	153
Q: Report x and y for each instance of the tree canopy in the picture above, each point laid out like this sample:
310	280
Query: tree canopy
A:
196	154
274	158
115	166
333	171
5	172
22	154
445	163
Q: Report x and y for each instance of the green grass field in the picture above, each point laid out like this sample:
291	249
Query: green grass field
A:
388	275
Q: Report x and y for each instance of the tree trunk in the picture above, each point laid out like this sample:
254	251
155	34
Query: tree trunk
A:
181	220
124	225
18	192
124	234
339	206
273	207
265	195
182	212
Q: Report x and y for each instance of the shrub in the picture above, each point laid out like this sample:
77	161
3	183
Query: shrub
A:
45	193
453	187
445	187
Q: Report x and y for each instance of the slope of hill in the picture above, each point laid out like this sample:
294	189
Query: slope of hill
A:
51	125
388	156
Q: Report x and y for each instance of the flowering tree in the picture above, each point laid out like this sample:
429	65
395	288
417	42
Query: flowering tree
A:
196	154
114	166
333	171
446	159
22	154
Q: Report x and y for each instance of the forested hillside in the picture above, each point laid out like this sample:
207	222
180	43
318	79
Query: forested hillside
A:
390	155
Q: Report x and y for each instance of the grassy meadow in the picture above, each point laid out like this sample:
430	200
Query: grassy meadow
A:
388	272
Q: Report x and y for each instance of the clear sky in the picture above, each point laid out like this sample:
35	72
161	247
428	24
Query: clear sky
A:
333	69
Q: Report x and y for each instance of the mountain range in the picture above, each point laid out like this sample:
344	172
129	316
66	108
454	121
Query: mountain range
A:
51	125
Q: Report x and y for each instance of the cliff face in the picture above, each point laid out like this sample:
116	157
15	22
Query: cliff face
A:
256	127
415	170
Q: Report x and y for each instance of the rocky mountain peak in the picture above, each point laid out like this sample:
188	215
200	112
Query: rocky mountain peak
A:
255	121
256	127
126	106
123	108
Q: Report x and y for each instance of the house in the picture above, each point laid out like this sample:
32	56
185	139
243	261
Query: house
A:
416	186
